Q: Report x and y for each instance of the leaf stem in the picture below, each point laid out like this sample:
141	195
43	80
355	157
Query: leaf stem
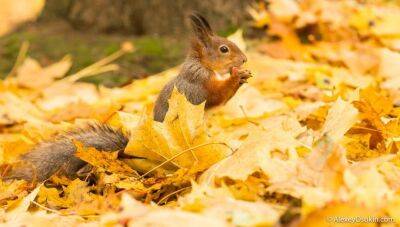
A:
20	58
179	154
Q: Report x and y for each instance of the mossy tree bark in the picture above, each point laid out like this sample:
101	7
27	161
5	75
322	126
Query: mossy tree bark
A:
164	17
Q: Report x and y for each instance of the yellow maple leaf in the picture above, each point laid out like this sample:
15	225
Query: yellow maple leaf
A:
51	196
180	141
372	105
357	146
14	145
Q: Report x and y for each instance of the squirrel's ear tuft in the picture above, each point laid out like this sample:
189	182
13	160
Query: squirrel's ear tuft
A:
201	28
202	22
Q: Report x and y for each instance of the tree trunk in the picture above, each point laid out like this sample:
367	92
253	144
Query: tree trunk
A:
164	17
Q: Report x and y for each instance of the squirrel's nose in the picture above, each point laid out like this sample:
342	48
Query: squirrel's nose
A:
244	59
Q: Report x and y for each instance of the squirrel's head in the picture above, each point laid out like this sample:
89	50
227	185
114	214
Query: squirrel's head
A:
214	52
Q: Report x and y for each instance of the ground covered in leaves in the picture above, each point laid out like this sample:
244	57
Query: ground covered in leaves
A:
313	136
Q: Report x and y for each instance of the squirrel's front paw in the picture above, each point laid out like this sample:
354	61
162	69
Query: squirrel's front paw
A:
243	75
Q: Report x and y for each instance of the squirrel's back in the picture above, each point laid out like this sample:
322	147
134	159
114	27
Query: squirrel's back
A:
189	82
49	157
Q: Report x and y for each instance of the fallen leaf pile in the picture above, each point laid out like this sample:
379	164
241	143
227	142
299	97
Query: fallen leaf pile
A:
314	135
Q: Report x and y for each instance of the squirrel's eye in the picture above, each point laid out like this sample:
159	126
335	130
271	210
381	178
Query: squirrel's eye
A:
224	49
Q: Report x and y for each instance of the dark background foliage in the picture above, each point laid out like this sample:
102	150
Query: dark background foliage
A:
89	30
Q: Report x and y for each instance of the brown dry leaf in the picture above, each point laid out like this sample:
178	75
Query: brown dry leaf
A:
181	138
31	75
106	161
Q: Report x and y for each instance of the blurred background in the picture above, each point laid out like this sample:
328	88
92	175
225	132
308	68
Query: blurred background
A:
89	30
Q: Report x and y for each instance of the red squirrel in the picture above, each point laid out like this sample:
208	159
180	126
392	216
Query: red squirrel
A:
211	73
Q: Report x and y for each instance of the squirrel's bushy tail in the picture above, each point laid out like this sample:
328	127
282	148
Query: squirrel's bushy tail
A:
49	157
